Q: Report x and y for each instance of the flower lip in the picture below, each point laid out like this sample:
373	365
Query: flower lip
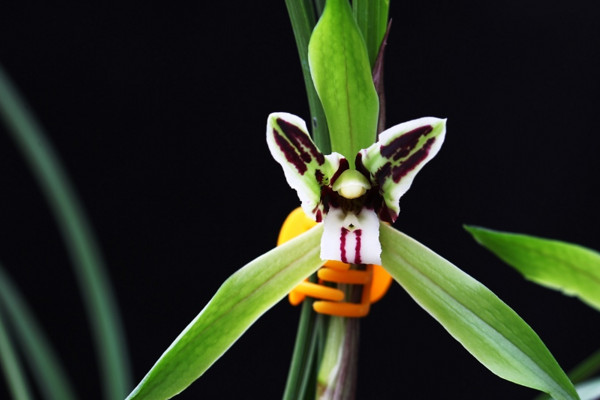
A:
351	184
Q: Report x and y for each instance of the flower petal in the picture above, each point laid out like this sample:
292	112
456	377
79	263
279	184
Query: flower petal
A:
398	155
306	168
351	238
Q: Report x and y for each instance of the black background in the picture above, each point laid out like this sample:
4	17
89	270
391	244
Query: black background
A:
158	113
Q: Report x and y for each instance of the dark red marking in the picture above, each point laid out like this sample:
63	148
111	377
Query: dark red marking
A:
301	141
329	198
385	214
403	145
357	249
343	244
343	166
319	216
360	167
290	153
413	161
319	176
383	173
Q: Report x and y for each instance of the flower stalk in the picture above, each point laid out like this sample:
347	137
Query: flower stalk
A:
339	367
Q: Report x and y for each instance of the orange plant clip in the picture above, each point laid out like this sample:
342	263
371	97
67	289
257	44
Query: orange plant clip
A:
375	280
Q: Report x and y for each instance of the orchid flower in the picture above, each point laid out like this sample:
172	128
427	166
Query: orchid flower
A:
351	191
351	201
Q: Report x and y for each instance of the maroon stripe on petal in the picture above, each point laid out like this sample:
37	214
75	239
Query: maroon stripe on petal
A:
343	166
301	142
360	167
403	145
319	176
412	162
383	173
329	198
290	152
344	233
357	248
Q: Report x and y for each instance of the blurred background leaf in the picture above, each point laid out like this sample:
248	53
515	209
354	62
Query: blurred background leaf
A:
569	268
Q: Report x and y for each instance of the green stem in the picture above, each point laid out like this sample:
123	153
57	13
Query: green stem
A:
338	370
301	381
337	373
81	245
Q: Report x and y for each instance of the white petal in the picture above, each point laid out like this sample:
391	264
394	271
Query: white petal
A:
351	238
398	156
306	169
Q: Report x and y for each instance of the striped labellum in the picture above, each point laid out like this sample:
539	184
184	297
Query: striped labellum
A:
351	202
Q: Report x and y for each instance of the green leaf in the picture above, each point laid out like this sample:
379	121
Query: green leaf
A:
240	301
573	269
490	330
341	72
372	19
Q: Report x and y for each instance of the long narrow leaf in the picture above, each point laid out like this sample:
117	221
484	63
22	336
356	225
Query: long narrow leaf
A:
301	380
44	364
240	301
372	19
573	269
77	234
303	19
11	365
490	330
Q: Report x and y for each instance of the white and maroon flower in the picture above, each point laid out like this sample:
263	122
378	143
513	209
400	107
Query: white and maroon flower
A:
351	201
